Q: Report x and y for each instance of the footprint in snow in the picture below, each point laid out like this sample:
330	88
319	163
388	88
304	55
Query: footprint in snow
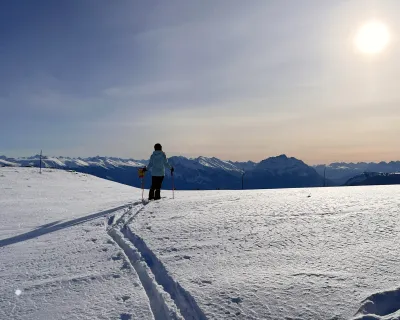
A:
117	257
237	300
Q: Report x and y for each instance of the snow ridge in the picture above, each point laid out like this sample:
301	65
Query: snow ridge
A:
168	299
382	305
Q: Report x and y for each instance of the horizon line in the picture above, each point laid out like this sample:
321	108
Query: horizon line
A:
196	157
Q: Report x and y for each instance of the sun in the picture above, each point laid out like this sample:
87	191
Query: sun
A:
372	38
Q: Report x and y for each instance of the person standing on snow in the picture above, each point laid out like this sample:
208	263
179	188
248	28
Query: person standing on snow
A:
158	162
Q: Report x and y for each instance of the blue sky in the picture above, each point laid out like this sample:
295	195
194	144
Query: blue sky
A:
239	80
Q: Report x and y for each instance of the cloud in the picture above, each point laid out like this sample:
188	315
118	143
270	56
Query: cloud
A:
221	78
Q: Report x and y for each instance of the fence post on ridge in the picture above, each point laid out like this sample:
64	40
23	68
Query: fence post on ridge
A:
40	164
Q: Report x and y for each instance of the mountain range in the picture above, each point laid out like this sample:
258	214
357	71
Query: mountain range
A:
374	178
340	172
204	173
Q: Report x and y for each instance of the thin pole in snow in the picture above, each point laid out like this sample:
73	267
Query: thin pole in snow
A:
173	187
40	161
141	173
243	179
325	177
142	189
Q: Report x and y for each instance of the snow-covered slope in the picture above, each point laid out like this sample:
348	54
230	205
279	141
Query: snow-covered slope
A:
218	164
7	163
280	254
71	163
73	246
245	166
57	260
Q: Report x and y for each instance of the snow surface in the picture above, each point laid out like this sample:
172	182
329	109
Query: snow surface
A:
73	246
278	254
56	253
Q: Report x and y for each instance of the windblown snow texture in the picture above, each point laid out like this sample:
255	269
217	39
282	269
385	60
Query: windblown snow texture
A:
75	246
278	254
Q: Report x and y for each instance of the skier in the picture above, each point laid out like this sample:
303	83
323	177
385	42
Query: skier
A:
158	162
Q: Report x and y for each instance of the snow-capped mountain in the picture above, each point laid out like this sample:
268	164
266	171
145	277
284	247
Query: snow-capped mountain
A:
70	163
374	178
245	166
190	173
283	172
205	173
340	172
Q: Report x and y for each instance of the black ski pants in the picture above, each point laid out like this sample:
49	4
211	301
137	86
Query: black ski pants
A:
155	189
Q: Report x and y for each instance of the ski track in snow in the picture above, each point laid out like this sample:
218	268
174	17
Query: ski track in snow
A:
167	298
56	260
102	279
279	254
267	254
53	267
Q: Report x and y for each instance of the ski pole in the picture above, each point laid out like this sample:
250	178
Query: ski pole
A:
142	189
141	176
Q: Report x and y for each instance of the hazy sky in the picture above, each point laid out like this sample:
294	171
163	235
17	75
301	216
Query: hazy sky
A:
239	80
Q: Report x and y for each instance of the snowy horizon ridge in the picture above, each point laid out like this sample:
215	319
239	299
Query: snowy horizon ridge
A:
75	246
212	173
96	157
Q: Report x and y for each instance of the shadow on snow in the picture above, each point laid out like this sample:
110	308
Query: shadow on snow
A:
54	226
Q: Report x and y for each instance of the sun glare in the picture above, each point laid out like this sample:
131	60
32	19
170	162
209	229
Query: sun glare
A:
372	38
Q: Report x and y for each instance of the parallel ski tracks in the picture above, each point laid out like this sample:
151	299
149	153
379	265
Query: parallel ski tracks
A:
168	299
